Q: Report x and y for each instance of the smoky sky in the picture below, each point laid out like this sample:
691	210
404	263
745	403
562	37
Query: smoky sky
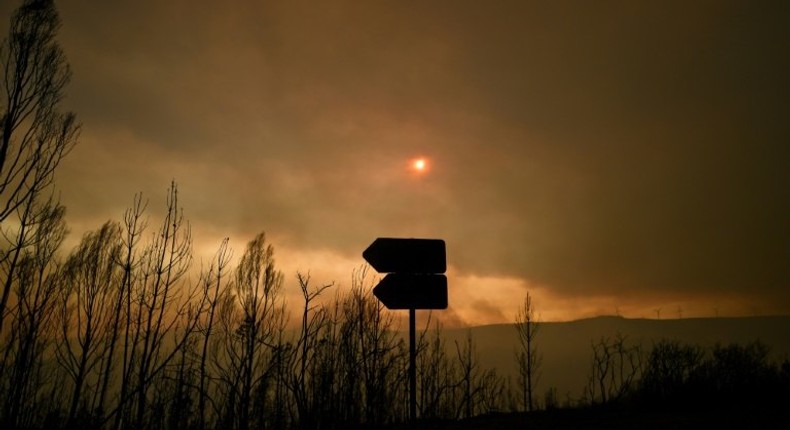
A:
611	147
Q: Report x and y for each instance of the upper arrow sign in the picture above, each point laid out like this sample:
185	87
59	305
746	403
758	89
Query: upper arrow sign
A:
388	255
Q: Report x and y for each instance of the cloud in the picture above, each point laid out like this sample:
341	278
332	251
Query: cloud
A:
595	150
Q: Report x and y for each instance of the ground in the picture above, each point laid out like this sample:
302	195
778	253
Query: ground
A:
616	419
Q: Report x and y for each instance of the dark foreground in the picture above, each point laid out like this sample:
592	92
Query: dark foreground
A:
600	418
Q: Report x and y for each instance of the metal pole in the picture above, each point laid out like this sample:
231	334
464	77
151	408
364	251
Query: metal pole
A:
412	369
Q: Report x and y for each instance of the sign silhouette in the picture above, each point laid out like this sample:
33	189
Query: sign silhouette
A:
412	291
397	255
415	281
414	267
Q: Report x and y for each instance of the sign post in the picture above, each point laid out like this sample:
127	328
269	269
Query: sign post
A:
415	280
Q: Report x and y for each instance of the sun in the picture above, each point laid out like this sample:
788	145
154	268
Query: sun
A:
419	165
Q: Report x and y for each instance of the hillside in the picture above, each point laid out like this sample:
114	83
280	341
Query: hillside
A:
566	346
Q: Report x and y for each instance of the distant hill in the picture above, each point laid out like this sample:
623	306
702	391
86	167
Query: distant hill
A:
566	346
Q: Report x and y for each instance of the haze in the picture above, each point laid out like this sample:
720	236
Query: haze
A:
609	157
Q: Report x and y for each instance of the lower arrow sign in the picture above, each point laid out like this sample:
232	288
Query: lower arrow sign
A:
412	291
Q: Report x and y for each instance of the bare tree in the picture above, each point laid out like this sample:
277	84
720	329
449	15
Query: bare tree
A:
491	396
161	308
36	284
251	319
469	378
86	307
161	304
453	386
669	366
212	287
528	359
436	375
306	379
371	355
34	135
133	227
600	369
614	368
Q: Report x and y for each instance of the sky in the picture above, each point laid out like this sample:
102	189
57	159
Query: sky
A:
612	157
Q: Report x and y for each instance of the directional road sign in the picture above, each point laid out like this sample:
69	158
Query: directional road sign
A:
412	291
414	282
398	255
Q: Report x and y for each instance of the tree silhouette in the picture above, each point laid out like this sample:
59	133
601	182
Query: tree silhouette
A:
669	366
36	283
34	134
212	281
436	376
528	359
312	370
91	279
251	319
480	389
615	367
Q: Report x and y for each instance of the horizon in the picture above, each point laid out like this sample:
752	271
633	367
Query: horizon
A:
421	321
